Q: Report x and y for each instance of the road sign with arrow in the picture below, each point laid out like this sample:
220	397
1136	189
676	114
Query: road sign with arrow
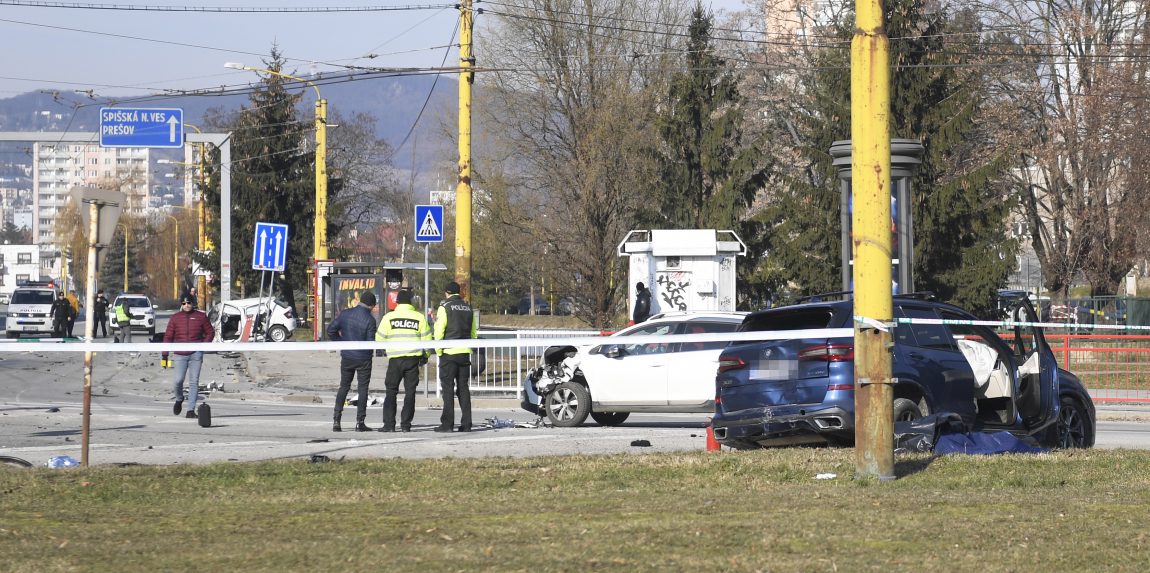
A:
270	250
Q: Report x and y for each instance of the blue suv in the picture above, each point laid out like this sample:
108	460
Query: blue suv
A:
801	390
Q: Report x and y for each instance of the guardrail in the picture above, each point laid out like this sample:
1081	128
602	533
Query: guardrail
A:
1114	368
505	367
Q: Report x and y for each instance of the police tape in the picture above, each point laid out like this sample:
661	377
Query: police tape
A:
226	347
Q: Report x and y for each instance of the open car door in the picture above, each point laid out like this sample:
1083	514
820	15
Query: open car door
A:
1036	391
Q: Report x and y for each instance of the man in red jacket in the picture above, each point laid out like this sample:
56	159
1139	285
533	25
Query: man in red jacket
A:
188	325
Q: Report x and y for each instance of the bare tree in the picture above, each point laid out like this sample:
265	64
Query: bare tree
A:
1073	75
576	86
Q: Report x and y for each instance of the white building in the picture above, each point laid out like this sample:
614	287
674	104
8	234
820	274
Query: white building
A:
18	263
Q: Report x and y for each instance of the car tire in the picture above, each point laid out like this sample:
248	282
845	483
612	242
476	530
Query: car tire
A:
609	418
277	333
906	410
567	405
1073	429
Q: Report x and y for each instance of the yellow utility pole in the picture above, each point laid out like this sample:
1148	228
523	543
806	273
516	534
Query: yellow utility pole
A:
871	240
125	227
319	250
175	258
201	220
463	188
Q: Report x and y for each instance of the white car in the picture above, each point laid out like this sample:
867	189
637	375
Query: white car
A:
140	308
30	311
609	381
252	319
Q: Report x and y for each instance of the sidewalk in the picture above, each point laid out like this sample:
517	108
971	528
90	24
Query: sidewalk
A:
313	377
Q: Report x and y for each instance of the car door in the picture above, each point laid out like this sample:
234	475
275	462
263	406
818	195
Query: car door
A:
1036	397
630	374
926	353
692	366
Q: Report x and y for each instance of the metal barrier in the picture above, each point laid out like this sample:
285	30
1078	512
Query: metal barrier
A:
1113	368
505	367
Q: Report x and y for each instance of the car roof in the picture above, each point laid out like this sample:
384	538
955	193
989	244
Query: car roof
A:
734	316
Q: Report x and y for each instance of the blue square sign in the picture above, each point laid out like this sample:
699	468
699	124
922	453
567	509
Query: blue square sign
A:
141	127
429	223
269	253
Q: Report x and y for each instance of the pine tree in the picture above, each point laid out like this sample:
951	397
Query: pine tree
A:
962	251
709	175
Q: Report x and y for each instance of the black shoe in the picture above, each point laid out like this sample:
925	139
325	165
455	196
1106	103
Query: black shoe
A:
443	429
190	414
386	429
405	429
463	429
361	427
336	428
178	407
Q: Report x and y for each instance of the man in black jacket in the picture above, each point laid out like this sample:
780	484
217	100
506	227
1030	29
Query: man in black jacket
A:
61	312
355	323
642	303
100	308
454	320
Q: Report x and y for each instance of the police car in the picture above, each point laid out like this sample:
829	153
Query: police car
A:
30	309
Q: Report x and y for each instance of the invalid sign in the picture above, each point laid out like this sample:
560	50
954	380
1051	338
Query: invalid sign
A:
141	127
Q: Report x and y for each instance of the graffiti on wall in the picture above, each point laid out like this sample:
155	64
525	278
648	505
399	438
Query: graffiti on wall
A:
673	289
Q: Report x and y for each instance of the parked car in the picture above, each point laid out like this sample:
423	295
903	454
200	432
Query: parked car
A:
30	310
252	319
609	381
802	389
141	309
541	306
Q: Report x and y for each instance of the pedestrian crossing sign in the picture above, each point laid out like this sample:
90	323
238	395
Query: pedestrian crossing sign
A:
429	223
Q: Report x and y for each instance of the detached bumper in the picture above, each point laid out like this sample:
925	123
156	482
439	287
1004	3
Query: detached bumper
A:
785	425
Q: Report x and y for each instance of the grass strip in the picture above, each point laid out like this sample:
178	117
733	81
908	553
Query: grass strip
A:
730	511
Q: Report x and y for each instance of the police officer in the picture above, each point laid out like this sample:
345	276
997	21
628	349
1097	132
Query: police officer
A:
124	320
454	320
402	324
61	313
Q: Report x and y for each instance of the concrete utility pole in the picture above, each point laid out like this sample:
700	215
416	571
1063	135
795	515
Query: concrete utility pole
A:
463	188
870	167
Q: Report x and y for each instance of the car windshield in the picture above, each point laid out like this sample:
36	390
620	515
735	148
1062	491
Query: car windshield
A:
32	297
137	302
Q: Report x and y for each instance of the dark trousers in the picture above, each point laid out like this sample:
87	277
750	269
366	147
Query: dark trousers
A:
101	325
407	368
454	377
349	368
59	327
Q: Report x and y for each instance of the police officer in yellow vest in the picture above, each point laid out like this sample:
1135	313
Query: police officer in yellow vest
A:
454	320
402	324
125	321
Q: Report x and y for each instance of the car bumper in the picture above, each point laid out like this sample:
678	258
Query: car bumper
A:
790	424
528	399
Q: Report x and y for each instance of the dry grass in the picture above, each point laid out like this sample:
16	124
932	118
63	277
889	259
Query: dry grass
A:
752	511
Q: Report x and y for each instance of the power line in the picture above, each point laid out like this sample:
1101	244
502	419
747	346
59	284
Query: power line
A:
219	9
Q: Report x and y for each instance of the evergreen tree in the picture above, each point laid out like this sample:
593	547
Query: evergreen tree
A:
962	251
709	176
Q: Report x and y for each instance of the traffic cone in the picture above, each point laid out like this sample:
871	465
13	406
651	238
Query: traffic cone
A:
712	443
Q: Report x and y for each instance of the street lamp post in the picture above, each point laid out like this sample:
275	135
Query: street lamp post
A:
319	250
175	257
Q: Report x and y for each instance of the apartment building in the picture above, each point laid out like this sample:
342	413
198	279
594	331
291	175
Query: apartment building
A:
18	263
58	168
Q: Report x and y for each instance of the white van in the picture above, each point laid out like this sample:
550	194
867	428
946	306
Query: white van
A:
30	311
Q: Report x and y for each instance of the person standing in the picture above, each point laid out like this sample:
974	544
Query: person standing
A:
402	324
356	323
61	312
642	303
124	320
75	302
454	320
187	325
100	313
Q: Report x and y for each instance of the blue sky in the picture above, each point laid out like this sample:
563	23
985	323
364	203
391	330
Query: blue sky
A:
132	52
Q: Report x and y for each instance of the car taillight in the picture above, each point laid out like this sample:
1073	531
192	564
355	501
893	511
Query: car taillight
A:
828	353
730	363
833	387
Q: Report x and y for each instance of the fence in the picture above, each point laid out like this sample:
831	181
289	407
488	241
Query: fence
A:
1114	368
504	368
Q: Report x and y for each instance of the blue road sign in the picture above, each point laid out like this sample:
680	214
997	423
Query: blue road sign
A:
429	223
141	127
270	250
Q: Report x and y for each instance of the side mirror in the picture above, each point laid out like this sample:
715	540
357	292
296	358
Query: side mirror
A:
614	352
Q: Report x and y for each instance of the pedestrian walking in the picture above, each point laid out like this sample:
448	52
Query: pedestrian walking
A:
124	320
356	323
402	324
75	302
642	303
187	325
61	312
454	320
100	315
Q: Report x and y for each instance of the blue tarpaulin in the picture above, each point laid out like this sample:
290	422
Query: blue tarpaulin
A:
984	443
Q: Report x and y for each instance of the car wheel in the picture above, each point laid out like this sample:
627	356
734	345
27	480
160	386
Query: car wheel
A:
610	418
906	410
1073	425
568	405
277	333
